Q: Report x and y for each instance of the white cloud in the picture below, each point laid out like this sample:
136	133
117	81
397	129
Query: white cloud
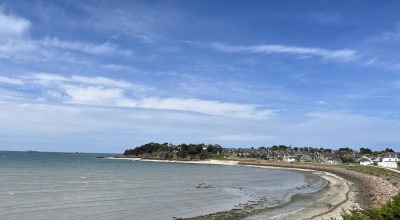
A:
97	95
103	91
116	67
17	49
93	95
56	127
97	49
370	62
13	81
48	79
343	55
206	107
52	49
321	102
12	26
95	129
16	44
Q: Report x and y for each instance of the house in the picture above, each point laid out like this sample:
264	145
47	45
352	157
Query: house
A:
376	159
291	159
306	158
389	160
365	161
331	160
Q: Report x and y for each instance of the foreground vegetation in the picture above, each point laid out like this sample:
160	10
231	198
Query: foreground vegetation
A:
391	176
388	211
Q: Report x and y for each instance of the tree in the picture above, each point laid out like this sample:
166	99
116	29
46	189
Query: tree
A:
345	149
347	160
365	151
388	150
204	155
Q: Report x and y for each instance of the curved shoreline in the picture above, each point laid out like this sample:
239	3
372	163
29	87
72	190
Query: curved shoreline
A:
339	192
370	191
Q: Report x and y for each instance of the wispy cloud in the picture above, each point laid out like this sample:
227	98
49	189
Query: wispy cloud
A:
342	55
393	34
103	91
207	107
96	95
116	67
97	49
13	81
136	22
12	26
51	78
16	43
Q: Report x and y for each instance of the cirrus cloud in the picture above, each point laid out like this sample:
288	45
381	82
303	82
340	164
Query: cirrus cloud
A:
342	55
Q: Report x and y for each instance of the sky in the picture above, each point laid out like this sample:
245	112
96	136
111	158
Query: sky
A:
103	76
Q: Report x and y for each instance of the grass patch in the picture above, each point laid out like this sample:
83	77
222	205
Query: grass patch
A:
391	176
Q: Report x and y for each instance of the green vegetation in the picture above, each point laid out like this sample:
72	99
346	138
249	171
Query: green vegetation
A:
177	152
388	211
345	149
365	151
388	150
392	176
346	159
279	147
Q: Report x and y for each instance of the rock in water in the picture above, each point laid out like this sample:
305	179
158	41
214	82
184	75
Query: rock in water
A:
204	186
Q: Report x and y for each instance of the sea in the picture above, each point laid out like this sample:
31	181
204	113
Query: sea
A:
38	186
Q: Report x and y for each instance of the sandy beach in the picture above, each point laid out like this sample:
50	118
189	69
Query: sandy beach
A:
337	195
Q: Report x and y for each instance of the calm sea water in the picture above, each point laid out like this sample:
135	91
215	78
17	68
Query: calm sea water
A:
60	186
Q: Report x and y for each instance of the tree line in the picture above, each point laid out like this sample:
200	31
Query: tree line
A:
168	151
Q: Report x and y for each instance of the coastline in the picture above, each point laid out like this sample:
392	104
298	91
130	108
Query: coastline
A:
338	194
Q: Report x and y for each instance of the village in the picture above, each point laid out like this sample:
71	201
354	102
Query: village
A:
365	157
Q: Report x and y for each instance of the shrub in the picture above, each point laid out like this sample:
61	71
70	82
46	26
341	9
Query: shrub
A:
388	211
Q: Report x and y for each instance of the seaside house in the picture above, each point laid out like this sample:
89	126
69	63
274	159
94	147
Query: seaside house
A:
332	160
306	158
365	161
291	159
389	160
376	159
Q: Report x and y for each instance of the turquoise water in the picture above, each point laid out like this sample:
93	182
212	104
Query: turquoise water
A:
63	186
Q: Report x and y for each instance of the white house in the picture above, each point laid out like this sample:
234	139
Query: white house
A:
376	159
331	160
365	161
292	159
389	161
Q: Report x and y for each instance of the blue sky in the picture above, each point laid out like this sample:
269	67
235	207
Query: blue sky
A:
101	76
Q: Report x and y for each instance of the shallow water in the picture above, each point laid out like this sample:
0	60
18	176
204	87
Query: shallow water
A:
60	186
